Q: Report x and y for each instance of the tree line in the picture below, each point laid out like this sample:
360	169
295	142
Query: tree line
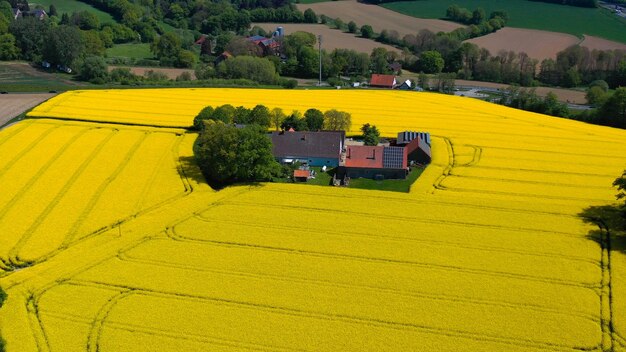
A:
260	115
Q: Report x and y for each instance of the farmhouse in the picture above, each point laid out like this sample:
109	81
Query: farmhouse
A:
378	162
383	81
417	145
314	148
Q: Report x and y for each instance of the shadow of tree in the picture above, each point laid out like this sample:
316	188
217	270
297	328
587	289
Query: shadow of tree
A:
610	219
190	169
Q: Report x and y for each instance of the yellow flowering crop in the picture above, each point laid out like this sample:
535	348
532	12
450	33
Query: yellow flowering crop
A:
111	241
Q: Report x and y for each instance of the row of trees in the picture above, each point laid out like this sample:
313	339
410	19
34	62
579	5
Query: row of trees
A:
312	120
579	3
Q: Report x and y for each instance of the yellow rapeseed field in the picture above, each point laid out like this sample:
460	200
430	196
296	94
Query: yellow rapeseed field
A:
112	242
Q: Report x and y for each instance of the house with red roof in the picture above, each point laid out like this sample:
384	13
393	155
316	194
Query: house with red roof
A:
383	81
377	162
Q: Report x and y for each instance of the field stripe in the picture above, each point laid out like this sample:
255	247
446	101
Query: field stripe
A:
13	254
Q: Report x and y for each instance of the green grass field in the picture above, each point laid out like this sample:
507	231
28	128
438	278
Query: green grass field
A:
526	14
70	6
133	51
16	77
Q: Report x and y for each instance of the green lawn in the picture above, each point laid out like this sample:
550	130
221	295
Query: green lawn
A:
324	179
528	14
388	185
133	51
70	6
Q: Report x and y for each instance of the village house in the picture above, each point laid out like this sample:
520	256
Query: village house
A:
383	81
377	162
314	148
417	145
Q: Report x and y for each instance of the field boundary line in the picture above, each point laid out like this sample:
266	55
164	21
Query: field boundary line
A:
101	189
397	239
97	325
417	220
28	148
415	294
393	261
422	202
30	232
140	200
351	319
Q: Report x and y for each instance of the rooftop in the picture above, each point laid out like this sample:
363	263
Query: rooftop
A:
323	144
364	156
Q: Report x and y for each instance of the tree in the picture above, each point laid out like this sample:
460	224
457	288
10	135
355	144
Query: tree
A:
613	112
186	59
53	11
294	121
277	116
166	48
352	27
228	155
30	35
367	31
224	113
242	46
257	69
8	50
93	44
371	135
338	23
314	119
63	45
93	69
204	115
310	16
596	96
478	16
431	62
423	81
620	183
260	115
241	115
335	120
205	47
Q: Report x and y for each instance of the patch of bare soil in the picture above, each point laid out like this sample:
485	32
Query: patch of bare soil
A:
537	44
11	105
171	73
378	17
601	44
331	38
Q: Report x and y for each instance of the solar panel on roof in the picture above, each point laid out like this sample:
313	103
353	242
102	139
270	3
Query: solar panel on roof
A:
393	157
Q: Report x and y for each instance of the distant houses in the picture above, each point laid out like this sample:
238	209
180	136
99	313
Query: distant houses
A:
383	81
39	14
329	148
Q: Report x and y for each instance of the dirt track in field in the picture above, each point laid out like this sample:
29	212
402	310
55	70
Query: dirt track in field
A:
378	17
331	38
11	105
537	44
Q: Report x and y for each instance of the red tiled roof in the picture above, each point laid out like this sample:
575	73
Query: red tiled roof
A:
301	173
364	156
382	80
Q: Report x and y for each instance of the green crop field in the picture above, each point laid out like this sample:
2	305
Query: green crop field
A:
526	14
133	51
70	6
20	77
